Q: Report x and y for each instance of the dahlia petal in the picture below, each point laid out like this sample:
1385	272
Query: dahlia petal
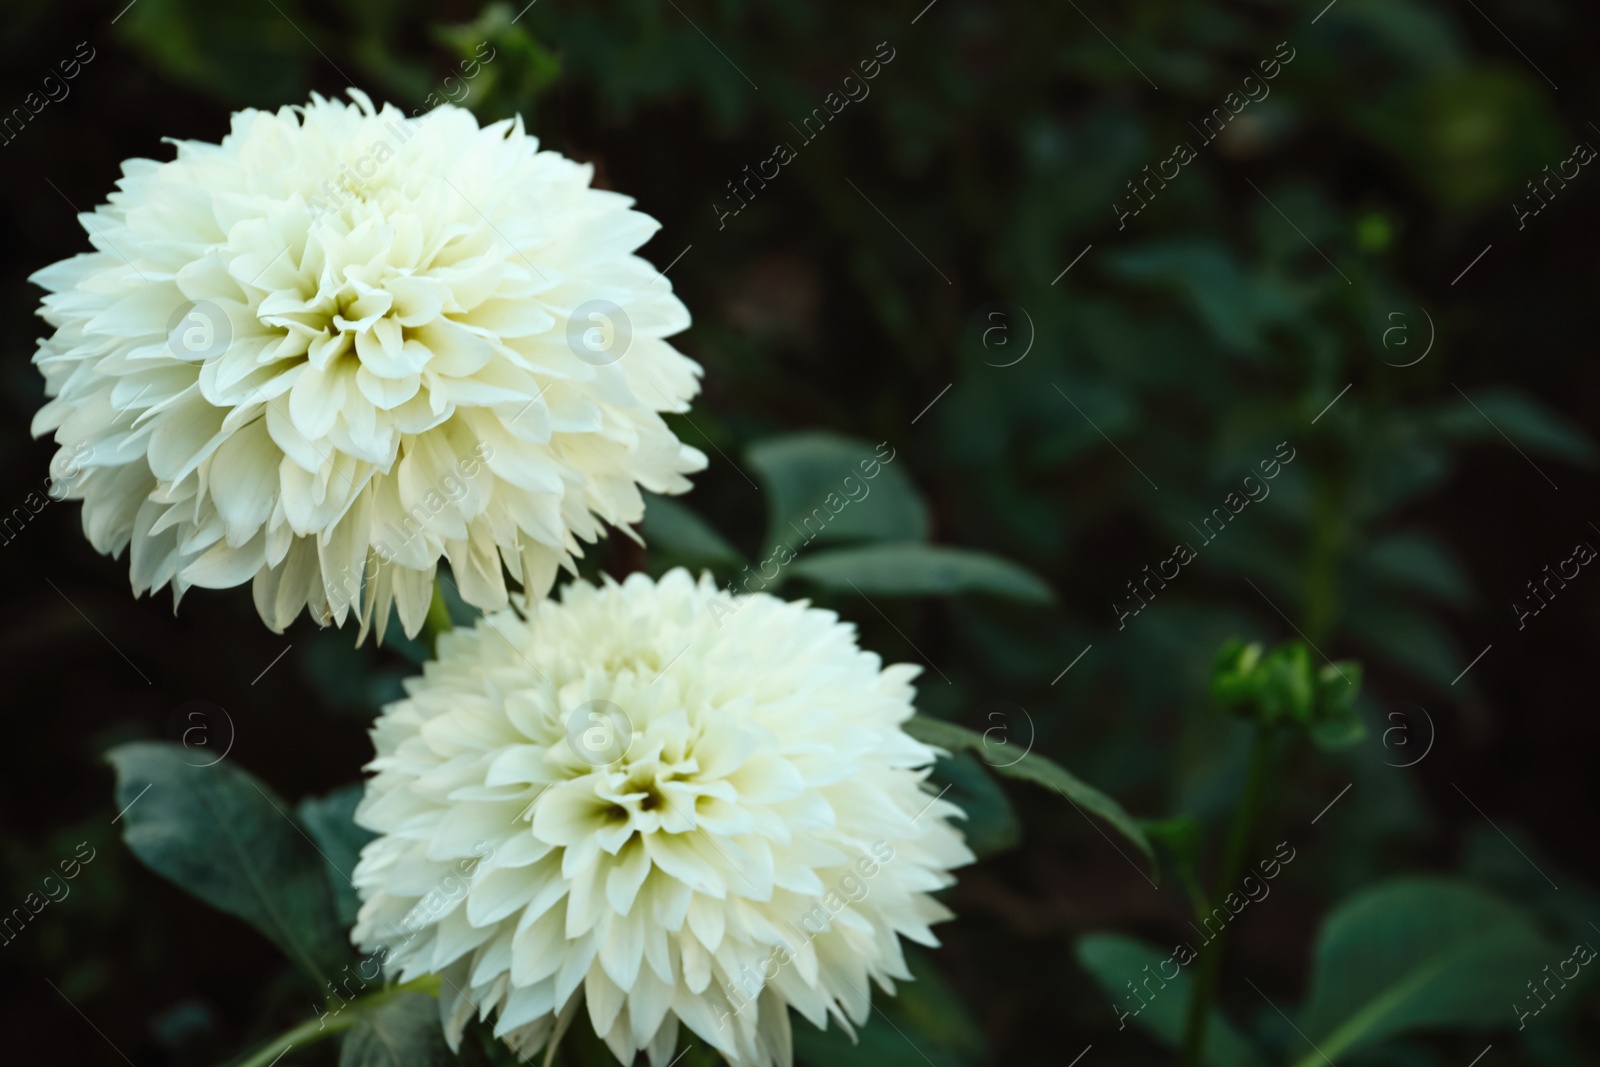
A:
648	915
364	316
524	1004
512	318
314	402
626	876
498	894
225	566
621	953
386	394
663	1043
604	1000
417	301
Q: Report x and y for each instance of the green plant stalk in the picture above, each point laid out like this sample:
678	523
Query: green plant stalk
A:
314	1030
1246	817
1192	886
438	619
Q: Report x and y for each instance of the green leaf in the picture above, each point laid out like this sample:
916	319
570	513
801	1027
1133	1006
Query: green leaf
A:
1338	685
1418	953
517	68
1335	724
824	487
1284	685
1411	640
1287	687
403	1031
1417	561
1338	730
910	569
1239	307
1469	137
1423	39
1160	1002
219	834
1184	836
991	825
1034	768
226	53
1486	414
331	822
676	531
1233	681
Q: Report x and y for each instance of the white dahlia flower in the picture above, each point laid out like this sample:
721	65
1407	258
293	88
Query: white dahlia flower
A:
621	805
344	343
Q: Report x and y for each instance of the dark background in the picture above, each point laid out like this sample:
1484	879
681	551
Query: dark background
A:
1196	338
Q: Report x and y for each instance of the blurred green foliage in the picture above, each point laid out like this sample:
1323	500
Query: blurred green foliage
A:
1252	305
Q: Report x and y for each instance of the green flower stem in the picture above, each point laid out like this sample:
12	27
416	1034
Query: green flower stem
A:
1246	819
438	619
314	1030
1197	894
